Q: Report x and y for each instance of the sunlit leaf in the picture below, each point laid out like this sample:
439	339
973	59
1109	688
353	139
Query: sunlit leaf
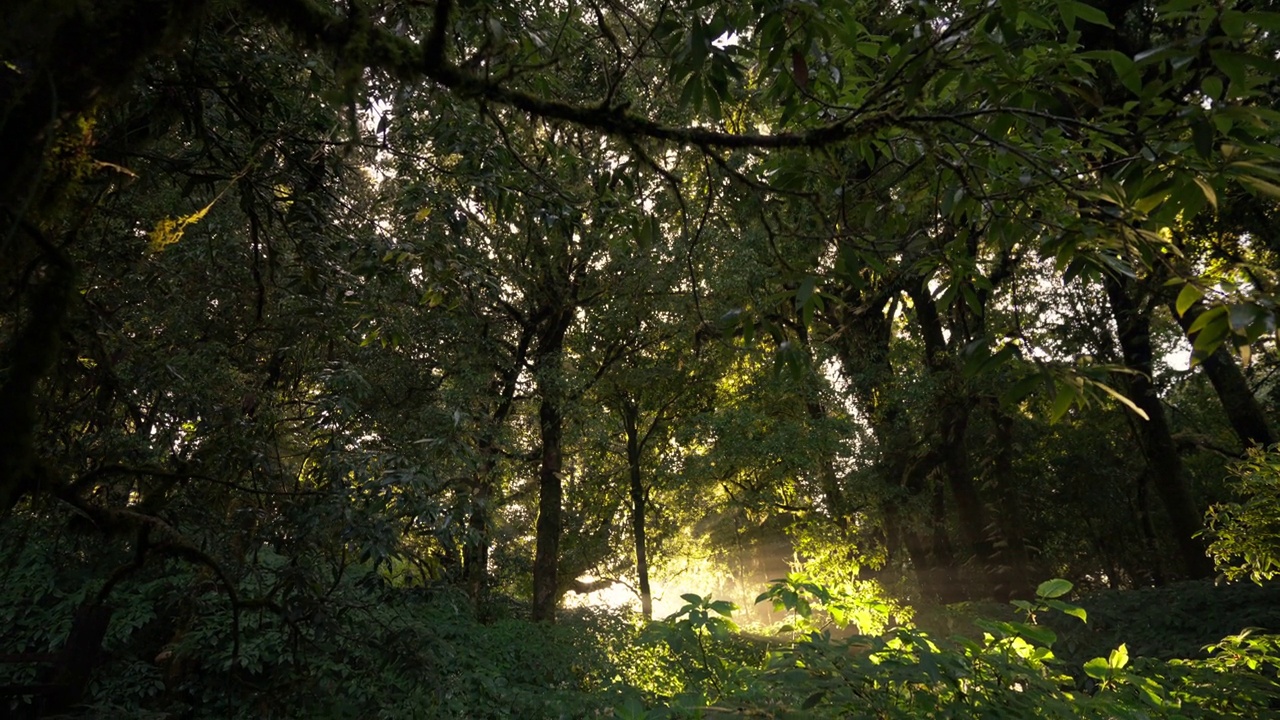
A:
1123	400
1053	588
1119	657
1188	296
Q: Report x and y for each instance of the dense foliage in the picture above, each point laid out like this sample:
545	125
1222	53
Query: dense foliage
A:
352	351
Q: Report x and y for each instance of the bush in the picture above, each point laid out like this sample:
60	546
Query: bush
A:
1246	534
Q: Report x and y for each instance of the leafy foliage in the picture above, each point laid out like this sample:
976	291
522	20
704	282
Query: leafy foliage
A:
1246	534
333	335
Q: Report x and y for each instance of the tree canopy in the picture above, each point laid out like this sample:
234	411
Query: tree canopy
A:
487	306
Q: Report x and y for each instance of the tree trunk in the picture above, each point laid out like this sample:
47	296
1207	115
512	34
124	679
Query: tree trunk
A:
1013	562
1133	322
863	351
1237	398
475	564
33	352
951	415
71	59
630	419
546	562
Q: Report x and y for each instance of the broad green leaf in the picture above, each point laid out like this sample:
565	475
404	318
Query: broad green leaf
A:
1021	389
1062	401
1233	23
1208	338
1127	71
1042	635
1209	193
1187	297
1073	610
1087	13
1119	657
806	291
1265	20
1211	86
1211	316
1098	669
723	607
1242	315
1233	66
1054	588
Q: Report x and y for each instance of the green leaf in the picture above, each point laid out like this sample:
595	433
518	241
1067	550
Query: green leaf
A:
1261	186
1232	65
1208	338
1127	71
1122	399
1041	635
1211	86
1021	389
1068	609
723	607
1187	297
1098	669
1068	12
1209	317
1062	401
1119	657
813	700
1087	13
1233	23
1054	588
1209	193
1265	20
806	291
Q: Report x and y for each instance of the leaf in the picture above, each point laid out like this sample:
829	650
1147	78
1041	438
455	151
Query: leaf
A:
1120	397
1243	315
1211	87
1021	389
1208	317
1069	609
1265	20
1210	337
1188	296
1232	65
1233	23
1087	13
723	607
1054	588
806	291
813	699
1119	657
1068	14
1098	669
1127	71
1041	635
1261	186
1062	401
1209	193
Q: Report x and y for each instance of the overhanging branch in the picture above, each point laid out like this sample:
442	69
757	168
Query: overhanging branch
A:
403	58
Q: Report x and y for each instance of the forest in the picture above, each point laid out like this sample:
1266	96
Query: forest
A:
644	359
